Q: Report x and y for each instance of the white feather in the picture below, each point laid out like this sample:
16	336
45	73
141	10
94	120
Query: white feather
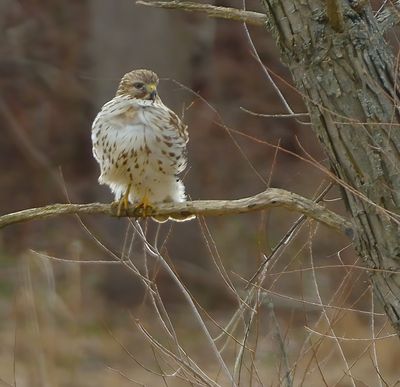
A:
142	143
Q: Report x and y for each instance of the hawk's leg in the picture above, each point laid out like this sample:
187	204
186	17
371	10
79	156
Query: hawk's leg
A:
123	203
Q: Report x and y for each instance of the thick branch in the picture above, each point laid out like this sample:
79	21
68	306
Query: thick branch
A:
249	17
270	198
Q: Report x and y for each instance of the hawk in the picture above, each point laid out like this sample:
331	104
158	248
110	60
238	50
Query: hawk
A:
140	145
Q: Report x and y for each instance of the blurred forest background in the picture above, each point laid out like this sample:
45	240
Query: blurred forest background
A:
62	324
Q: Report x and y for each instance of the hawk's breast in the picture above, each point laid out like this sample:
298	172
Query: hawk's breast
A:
139	142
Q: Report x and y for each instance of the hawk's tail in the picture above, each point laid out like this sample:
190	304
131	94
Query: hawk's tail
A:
175	218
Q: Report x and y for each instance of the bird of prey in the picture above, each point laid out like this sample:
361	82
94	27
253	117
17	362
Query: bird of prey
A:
140	145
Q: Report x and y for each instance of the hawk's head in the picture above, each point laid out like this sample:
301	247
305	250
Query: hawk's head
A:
141	84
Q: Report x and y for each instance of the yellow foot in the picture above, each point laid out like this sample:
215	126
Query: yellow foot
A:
123	203
144	208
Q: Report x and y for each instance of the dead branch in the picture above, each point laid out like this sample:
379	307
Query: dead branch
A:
249	17
270	198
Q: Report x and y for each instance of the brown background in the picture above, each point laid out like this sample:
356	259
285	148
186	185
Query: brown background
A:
60	61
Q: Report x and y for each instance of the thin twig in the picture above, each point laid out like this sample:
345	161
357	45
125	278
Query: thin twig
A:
277	115
119	372
272	197
288	236
200	376
152	250
312	303
265	69
388	17
369	339
329	321
282	346
375	355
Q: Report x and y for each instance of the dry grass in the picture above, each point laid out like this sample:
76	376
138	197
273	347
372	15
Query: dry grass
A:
301	324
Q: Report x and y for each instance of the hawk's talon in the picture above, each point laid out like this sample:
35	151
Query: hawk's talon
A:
123	203
144	208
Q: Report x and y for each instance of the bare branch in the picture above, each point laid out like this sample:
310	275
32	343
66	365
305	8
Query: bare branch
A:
272	197
249	17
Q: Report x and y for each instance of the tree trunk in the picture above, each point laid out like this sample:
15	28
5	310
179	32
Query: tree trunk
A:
346	72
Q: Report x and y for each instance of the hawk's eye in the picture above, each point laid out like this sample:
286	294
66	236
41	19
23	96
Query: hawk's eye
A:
138	85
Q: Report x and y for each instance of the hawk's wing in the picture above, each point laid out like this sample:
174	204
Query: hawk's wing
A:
169	128
165	119
105	123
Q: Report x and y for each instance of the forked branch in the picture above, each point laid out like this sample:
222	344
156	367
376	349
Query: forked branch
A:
249	17
270	198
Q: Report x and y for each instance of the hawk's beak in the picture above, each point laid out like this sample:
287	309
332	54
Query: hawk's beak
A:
152	91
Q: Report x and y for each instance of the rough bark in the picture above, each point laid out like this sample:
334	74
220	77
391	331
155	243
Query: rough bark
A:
346	72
